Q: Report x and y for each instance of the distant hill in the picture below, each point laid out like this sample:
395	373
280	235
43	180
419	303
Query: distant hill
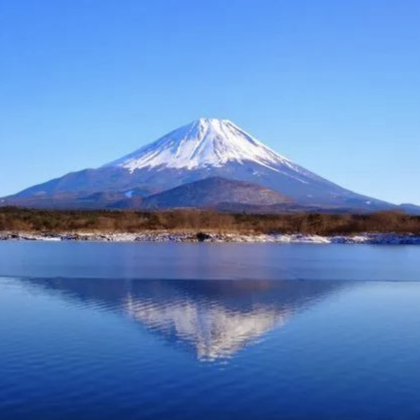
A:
213	193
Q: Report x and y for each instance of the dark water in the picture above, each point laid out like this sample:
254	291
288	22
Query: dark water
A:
178	331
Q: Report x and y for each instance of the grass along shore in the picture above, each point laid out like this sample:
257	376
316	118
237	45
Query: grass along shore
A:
191	222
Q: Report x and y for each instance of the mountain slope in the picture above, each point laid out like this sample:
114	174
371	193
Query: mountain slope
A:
212	192
410	208
205	148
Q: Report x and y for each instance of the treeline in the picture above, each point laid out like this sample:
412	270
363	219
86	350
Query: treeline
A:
28	220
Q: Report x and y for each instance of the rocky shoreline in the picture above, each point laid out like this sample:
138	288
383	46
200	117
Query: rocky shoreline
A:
368	238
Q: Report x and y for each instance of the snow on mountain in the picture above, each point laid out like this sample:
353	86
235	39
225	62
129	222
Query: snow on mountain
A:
204	142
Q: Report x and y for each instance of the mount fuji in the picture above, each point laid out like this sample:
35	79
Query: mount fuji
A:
206	148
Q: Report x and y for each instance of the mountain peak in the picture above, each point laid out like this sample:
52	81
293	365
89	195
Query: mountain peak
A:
206	142
210	121
204	126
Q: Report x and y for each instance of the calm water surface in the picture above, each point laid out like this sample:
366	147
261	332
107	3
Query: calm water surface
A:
198	331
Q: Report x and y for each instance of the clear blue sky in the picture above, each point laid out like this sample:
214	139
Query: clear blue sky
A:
333	85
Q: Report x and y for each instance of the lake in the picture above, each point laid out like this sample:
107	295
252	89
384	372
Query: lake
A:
209	331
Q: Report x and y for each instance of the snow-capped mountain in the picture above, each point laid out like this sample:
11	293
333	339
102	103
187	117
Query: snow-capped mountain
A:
209	143
205	142
203	149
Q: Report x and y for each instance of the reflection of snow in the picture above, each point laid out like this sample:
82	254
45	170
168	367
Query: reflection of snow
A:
215	318
213	330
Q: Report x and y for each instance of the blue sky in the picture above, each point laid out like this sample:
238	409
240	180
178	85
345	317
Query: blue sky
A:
333	85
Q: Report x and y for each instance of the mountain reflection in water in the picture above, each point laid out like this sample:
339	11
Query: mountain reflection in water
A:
215	318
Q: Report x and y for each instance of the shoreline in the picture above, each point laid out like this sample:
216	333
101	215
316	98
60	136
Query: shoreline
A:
186	237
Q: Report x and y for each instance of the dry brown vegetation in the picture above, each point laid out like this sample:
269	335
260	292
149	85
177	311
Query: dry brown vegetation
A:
14	219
